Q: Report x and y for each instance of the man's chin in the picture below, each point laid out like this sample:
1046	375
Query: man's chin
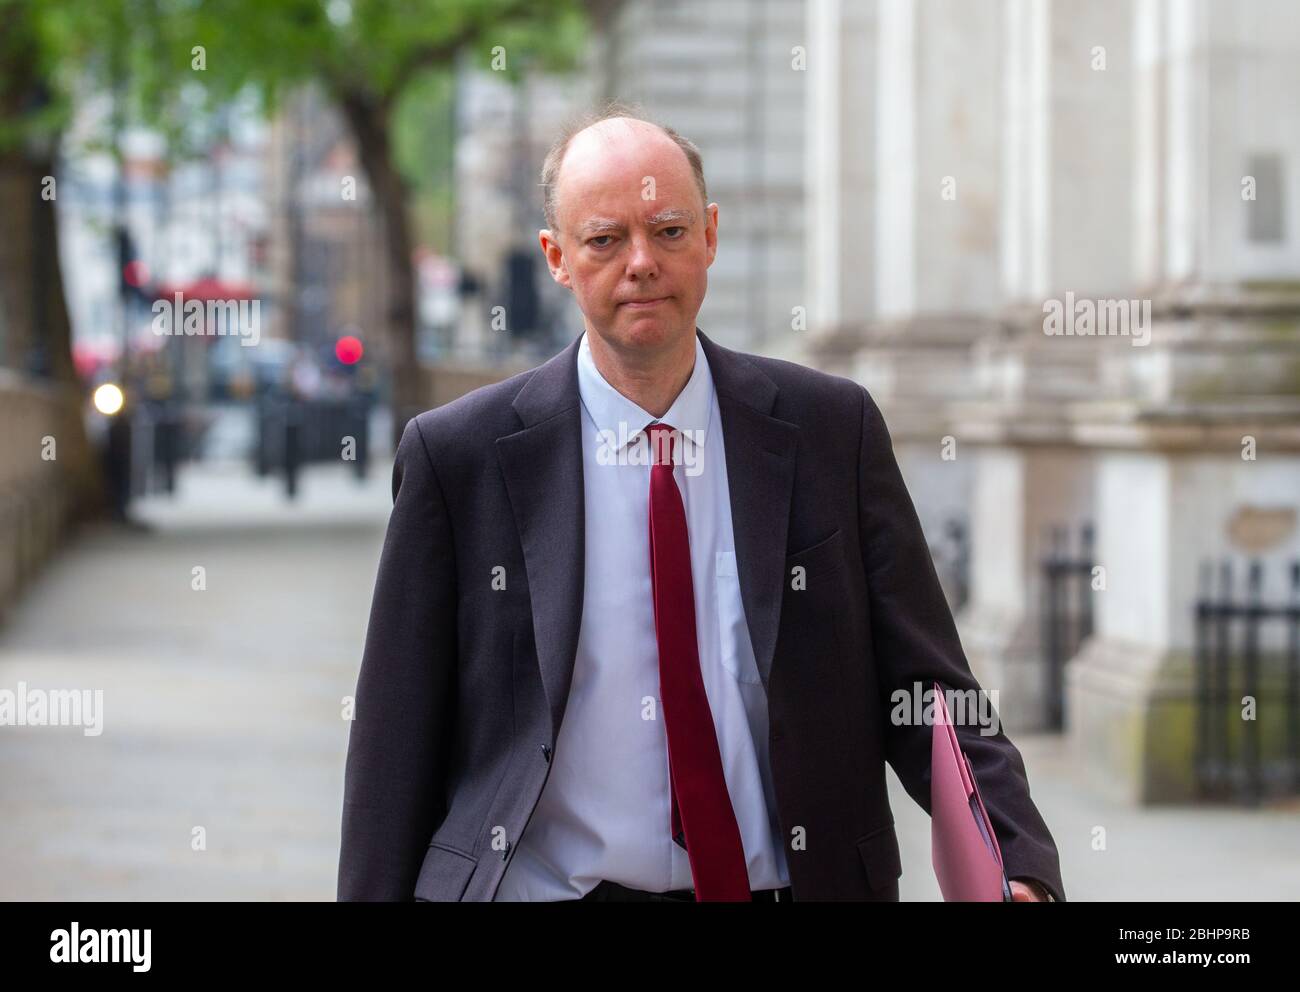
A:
648	339
650	329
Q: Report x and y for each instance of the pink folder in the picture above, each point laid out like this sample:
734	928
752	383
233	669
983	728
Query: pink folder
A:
963	846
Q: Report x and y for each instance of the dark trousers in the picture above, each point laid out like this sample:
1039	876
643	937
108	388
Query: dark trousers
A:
613	892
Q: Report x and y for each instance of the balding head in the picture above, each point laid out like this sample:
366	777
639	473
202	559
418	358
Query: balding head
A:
616	129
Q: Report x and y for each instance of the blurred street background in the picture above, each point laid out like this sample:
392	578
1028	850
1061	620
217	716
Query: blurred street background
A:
244	242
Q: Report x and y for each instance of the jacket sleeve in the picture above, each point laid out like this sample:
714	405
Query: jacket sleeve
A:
402	730
914	640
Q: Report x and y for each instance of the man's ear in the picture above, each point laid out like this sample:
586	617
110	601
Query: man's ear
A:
554	256
711	230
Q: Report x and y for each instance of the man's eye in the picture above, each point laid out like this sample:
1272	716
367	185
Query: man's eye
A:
600	237
676	237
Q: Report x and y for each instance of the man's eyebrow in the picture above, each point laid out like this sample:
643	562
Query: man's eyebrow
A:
594	225
665	216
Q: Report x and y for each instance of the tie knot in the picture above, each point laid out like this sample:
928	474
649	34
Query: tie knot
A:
661	443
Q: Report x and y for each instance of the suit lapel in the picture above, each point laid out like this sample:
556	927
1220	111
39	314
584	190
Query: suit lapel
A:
542	466
760	476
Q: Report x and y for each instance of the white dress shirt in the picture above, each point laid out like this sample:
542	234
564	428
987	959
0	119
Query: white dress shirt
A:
605	810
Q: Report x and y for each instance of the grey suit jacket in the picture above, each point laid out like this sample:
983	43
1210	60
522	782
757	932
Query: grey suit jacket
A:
463	687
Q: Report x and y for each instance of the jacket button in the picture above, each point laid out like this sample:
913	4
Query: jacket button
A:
546	753
506	852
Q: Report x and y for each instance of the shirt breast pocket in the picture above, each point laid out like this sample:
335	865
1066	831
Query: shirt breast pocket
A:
736	653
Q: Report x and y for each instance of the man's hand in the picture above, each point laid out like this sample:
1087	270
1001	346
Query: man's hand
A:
1027	891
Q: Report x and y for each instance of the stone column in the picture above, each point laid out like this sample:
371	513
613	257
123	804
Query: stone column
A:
917	246
1064	222
840	173
1029	477
1222	366
937	158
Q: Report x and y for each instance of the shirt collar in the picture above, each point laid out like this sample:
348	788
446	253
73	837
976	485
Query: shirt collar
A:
608	408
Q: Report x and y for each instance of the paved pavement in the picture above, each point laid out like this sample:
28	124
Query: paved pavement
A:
222	707
222	711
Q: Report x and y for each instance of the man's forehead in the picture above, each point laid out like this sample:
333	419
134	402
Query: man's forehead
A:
650	218
609	163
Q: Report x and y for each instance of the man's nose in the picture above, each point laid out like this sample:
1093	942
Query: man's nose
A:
641	262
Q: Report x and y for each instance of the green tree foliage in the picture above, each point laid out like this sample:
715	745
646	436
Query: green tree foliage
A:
173	61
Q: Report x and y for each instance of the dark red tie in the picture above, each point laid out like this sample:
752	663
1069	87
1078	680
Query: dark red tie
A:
703	821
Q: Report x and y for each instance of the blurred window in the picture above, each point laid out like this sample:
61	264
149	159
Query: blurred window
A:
1264	217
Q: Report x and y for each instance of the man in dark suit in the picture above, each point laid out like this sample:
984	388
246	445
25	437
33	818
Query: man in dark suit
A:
642	611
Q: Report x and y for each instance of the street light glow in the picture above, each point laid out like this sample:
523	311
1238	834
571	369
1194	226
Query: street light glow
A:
108	399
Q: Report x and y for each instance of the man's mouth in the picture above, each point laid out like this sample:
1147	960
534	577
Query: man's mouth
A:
643	304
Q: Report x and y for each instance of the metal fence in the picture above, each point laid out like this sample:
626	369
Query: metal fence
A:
1247	698
1067	611
292	433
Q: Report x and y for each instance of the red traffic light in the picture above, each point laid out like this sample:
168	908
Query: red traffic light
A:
348	350
135	273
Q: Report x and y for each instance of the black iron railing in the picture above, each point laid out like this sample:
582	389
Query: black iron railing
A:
292	433
1067	611
1247	700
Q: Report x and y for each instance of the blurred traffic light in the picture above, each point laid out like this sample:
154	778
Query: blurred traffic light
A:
348	350
133	274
